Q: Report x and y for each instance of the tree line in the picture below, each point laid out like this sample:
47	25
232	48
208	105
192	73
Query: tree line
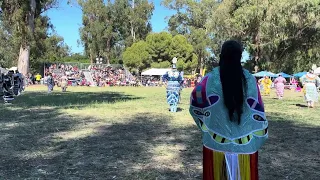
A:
279	35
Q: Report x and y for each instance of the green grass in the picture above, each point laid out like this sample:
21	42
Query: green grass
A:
128	133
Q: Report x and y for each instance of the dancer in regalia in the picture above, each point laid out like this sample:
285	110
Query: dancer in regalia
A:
8	87
227	107
310	81
1	83
50	83
174	80
279	84
18	83
64	83
266	83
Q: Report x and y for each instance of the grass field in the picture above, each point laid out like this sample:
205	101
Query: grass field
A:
128	133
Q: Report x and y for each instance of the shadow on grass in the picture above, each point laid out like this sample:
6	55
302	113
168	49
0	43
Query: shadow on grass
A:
49	145
70	99
301	105
291	152
44	144
27	141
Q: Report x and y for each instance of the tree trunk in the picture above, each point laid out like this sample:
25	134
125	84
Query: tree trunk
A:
23	61
133	34
108	51
91	57
107	57
24	55
201	62
201	65
256	40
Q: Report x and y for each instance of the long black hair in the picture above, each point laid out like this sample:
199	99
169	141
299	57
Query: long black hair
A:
232	78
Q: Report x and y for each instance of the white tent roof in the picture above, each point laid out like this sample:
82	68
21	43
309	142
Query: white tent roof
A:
13	69
3	70
154	72
317	71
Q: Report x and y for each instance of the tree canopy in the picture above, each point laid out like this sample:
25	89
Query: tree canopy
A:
27	36
25	23
190	20
109	27
158	51
280	35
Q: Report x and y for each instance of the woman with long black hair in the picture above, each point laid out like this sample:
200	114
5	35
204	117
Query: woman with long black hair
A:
227	107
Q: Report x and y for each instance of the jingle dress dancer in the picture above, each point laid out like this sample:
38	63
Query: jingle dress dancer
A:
310	81
64	83
174	80
50	83
266	83
227	107
18	83
279	84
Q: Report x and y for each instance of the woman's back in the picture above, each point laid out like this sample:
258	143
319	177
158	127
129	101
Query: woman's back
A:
227	107
212	116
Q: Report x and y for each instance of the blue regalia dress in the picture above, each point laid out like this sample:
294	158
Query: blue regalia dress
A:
174	80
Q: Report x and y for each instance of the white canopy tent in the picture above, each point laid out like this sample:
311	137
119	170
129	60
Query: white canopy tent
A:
317	71
3	70
154	72
13	69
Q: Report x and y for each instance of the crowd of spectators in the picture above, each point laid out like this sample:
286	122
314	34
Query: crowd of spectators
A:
97	75
110	76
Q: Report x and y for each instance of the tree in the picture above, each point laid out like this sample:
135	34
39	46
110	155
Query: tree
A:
19	19
190	20
55	49
77	57
8	53
139	16
137	56
159	46
158	50
108	27
275	32
97	30
184	51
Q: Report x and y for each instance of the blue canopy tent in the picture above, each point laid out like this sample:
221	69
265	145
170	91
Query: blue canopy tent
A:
300	74
264	73
284	75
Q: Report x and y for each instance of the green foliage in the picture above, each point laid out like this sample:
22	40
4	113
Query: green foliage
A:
24	26
280	35
190	20
50	49
8	52
158	51
163	64
110	26
55	49
79	58
184	51
159	46
137	56
179	43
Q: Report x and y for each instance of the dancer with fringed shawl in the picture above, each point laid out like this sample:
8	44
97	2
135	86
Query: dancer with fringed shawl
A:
174	80
310	82
18	81
8	84
227	107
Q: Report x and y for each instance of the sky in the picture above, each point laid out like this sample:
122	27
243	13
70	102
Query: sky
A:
67	20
